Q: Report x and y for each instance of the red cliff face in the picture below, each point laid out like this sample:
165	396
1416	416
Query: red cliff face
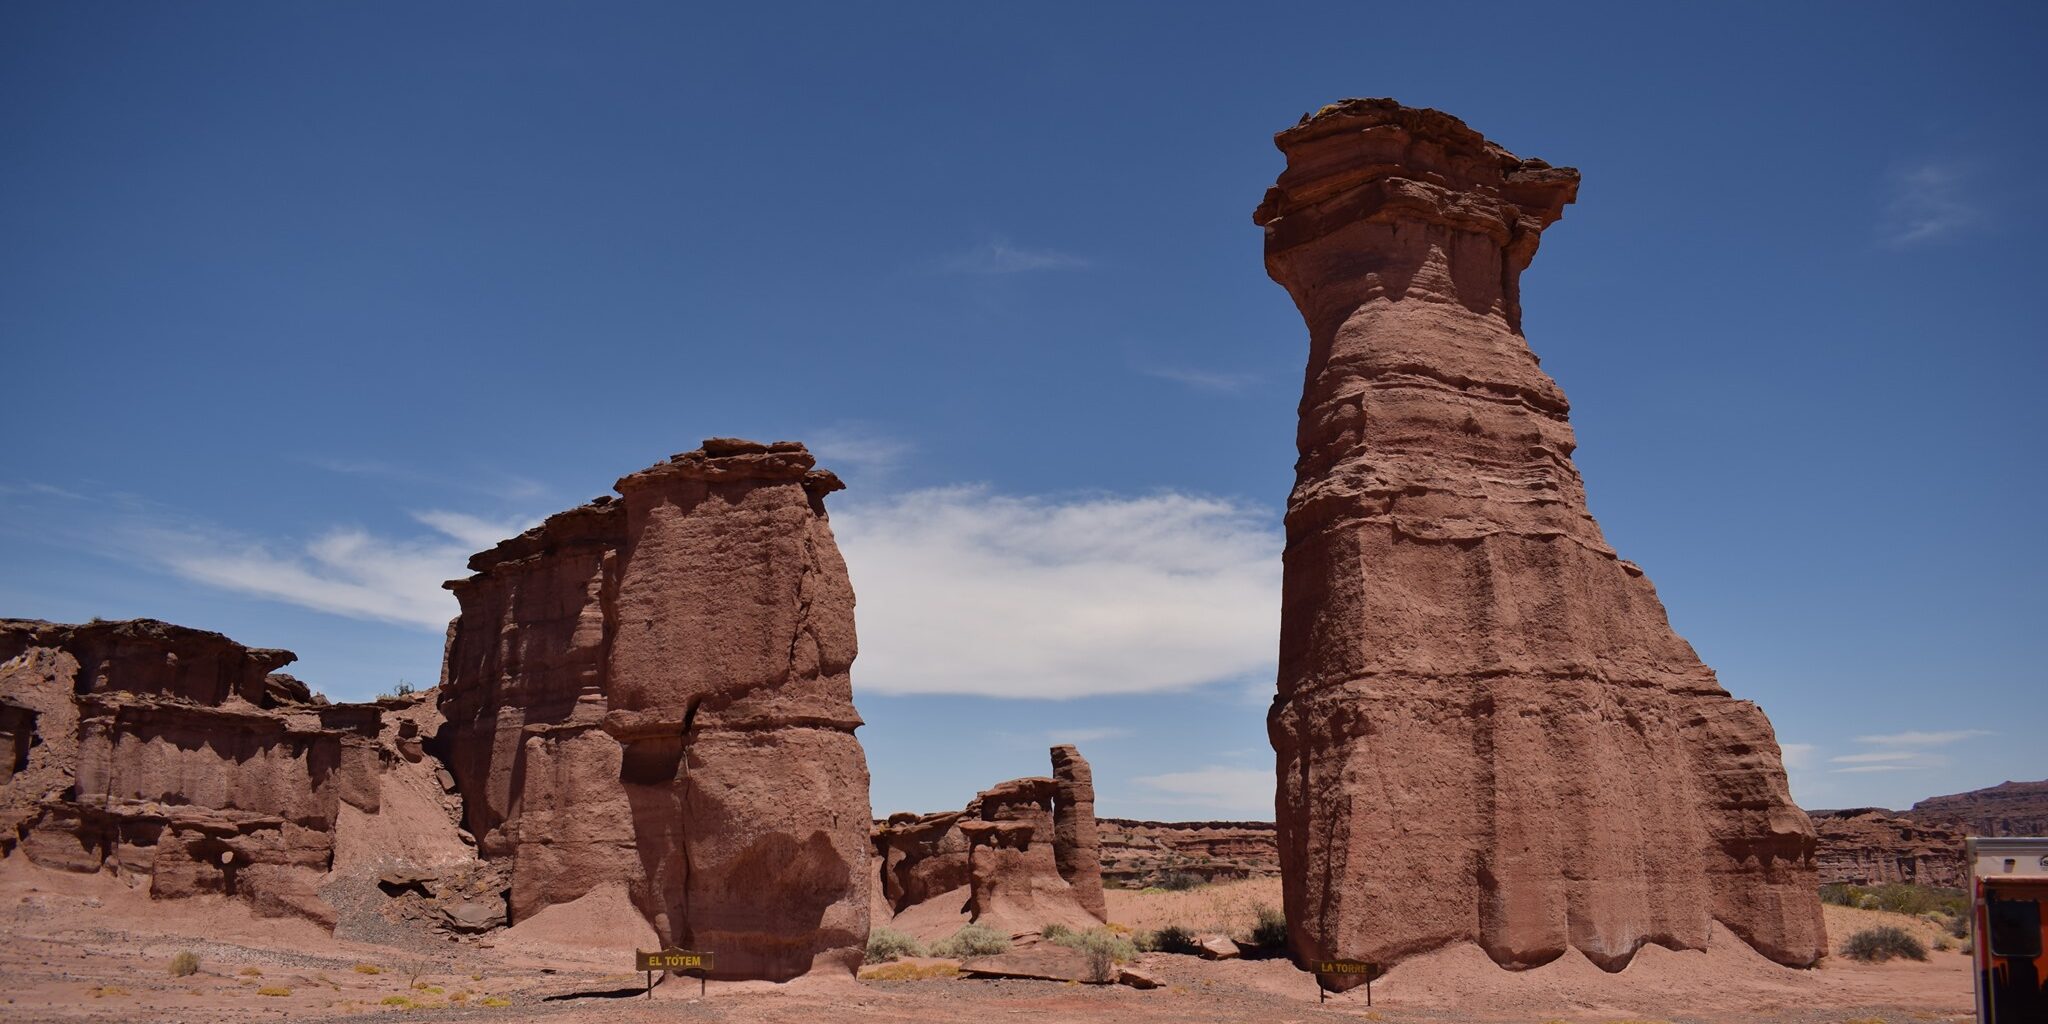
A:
179	757
654	690
2007	809
1486	729
1873	846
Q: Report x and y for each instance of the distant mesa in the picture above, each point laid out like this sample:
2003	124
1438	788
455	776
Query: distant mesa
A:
1486	729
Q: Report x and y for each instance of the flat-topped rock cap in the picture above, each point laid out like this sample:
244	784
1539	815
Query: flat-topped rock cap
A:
734	458
1416	158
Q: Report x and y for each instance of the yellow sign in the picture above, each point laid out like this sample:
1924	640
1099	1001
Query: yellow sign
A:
1347	967
672	959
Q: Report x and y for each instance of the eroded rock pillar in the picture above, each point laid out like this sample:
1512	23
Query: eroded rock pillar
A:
1485	729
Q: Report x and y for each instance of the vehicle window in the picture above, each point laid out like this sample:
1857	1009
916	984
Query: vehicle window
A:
2015	928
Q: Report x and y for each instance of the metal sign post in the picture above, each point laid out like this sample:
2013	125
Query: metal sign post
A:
1352	968
681	961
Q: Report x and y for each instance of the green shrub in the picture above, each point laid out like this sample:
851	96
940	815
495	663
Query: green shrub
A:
1897	898
1171	939
972	940
1056	932
1876	945
1959	927
1271	931
185	964
1176	881
886	944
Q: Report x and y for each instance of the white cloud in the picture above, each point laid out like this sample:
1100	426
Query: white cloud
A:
1086	735
1875	757
1924	739
344	571
998	256
1798	756
1201	380
965	591
1217	788
1927	204
477	532
859	448
1867	768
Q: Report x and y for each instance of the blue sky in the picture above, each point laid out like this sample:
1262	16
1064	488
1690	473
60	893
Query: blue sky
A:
302	303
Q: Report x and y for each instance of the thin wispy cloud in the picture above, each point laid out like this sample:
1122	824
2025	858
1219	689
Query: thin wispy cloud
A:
1096	734
1927	203
503	486
1876	757
1218	789
859	449
1924	739
1864	769
999	256
31	488
1202	380
343	571
1798	756
966	591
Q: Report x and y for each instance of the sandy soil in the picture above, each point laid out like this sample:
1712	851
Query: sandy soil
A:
87	948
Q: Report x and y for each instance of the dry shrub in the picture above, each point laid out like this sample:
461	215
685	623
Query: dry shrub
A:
910	972
1876	945
185	964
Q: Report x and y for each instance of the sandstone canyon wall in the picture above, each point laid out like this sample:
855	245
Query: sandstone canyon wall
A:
2007	809
177	758
1873	846
653	691
1021	855
1485	729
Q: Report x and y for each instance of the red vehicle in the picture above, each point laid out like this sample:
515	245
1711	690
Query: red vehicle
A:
2009	929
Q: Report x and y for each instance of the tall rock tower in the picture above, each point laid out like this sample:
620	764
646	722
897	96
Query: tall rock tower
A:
654	692
1486	729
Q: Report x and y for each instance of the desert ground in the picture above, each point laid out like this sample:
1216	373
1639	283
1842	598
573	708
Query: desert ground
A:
88	948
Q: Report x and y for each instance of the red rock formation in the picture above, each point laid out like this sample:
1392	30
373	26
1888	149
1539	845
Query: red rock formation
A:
1872	846
1017	858
176	755
1486	729
1076	848
1136	854
2007	809
654	690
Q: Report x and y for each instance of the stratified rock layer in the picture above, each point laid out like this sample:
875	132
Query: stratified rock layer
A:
1873	846
178	757
2007	809
1023	854
1486	729
1136	854
654	690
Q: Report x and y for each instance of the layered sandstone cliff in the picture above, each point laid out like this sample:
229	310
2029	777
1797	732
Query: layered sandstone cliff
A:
1136	854
1486	729
2007	809
1021	855
1873	846
653	690
178	758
